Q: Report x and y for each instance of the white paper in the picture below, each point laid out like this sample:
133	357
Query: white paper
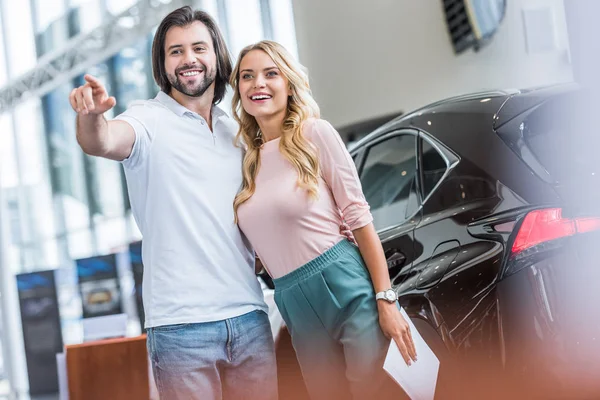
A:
418	380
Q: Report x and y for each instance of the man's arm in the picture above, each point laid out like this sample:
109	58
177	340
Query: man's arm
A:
97	136
109	139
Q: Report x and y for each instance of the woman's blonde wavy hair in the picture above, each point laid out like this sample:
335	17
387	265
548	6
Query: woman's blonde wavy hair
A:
293	145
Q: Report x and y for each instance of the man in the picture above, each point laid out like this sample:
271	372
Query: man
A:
208	332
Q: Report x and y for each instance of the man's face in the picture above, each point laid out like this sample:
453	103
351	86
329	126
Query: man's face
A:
190	59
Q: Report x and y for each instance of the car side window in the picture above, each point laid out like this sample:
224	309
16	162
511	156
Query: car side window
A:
388	179
433	166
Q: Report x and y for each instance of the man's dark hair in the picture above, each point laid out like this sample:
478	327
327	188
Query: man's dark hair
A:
182	17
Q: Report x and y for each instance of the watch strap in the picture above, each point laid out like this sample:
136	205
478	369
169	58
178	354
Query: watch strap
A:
380	296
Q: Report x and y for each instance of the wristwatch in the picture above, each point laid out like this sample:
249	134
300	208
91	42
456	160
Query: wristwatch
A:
388	295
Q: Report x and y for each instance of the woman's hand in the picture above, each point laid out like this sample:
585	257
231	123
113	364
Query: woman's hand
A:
392	323
395	327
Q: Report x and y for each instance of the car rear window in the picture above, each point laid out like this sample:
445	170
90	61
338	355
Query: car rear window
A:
562	136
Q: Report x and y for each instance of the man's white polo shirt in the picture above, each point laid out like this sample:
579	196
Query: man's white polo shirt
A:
182	179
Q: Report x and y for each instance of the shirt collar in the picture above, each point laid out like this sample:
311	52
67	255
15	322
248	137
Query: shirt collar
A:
180	110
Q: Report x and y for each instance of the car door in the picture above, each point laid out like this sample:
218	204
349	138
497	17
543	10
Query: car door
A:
435	235
455	271
388	174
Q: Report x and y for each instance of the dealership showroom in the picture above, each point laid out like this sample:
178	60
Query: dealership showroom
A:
461	159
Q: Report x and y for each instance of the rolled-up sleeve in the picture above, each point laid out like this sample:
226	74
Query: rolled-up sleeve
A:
339	172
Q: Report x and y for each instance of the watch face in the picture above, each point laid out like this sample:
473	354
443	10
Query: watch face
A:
390	295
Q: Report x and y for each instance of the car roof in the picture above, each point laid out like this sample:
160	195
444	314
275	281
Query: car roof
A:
529	98
446	105
506	104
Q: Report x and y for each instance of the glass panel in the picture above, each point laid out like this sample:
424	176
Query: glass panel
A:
3	77
39	251
210	6
89	13
107	186
69	301
48	11
21	54
37	216
130	71
10	196
65	156
434	167
561	138
79	235
388	179
29	124
116	7
8	162
67	172
111	233
9	181
282	21
245	24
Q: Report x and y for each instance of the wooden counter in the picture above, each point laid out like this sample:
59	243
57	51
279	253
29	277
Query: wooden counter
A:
108	369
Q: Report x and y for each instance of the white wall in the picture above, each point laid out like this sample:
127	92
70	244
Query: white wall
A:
369	58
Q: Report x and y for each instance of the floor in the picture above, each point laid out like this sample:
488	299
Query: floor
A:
291	386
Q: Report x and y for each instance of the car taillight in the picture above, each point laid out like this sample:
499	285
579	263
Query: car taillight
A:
587	224
542	226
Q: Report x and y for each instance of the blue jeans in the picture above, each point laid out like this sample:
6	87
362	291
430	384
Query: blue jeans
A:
230	359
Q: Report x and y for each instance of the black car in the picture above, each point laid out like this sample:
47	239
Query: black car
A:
487	206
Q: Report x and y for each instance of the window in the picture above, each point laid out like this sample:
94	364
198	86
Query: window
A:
245	24
356	159
560	139
282	21
433	165
116	7
388	180
20	53
9	175
89	12
46	12
3	72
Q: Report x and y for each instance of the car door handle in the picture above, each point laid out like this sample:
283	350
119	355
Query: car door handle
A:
395	258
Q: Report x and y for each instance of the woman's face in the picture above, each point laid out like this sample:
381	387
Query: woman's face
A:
263	89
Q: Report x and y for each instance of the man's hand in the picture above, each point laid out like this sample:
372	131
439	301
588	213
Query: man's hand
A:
91	98
258	266
97	136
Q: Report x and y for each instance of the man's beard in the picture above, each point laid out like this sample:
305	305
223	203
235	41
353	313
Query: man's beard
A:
198	89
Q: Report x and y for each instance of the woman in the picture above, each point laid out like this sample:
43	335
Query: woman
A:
298	176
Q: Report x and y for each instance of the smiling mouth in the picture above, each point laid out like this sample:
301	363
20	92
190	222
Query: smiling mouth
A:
261	97
190	73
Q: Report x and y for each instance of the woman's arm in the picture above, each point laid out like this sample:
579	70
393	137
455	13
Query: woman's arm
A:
339	171
392	323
